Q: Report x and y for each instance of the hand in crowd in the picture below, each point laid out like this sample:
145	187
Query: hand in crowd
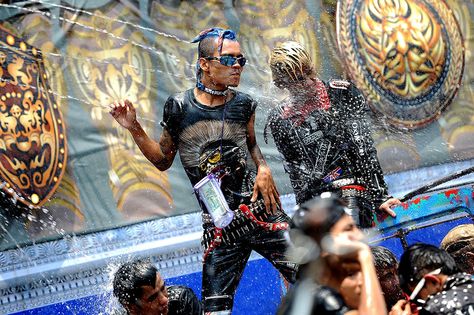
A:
265	185
402	307
388	204
124	113
345	246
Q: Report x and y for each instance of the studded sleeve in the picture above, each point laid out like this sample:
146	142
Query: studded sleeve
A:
292	151
183	301
365	160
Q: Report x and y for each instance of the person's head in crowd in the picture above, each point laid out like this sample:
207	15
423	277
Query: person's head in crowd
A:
140	288
423	270
459	243
345	262
327	216
386	266
327	222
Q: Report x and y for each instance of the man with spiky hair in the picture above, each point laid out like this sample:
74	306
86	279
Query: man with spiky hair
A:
212	127
323	134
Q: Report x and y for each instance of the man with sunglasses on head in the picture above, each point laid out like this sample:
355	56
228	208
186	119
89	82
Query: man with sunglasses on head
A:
322	131
430	277
212	127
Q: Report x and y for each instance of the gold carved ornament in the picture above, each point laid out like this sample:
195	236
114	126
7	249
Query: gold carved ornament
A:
406	56
33	151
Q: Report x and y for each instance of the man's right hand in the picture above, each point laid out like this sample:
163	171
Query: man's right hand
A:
124	113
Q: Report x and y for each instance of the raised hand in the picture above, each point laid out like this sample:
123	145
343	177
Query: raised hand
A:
124	113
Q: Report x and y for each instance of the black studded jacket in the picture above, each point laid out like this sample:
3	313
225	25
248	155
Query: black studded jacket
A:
330	145
456	298
182	301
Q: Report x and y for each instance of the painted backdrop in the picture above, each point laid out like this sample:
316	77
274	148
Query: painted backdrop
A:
67	167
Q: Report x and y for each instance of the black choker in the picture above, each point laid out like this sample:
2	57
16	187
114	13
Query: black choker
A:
201	87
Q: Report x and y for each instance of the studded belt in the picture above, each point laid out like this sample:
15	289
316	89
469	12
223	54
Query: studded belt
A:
338	183
246	219
354	191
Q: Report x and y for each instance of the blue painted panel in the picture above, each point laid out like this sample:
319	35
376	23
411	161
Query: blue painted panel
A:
259	293
423	208
430	235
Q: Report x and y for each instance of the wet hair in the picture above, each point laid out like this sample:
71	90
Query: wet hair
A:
206	47
420	259
458	242
328	210
207	43
292	59
130	278
383	258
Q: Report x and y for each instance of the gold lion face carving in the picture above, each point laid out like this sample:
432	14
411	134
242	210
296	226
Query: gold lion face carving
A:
405	50
406	56
32	139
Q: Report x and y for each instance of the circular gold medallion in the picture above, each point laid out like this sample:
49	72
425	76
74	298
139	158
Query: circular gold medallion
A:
406	56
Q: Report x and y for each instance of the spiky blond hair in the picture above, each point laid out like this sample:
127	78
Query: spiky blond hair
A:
293	59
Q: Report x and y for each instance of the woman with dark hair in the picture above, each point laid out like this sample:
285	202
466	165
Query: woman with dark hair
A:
326	222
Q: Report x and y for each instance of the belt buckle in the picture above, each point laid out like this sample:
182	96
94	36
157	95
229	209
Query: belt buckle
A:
339	183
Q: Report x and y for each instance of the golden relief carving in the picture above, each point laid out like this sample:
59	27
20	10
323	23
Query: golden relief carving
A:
33	148
406	56
64	208
402	45
113	61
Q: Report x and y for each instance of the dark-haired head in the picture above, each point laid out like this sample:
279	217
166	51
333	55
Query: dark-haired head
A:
130	278
209	40
420	259
383	258
386	265
317	216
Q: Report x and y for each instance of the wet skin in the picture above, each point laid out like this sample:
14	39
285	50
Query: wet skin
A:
154	300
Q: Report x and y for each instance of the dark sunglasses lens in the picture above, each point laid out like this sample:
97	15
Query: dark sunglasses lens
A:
227	60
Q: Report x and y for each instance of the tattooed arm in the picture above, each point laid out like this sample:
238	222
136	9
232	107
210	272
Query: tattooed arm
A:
264	183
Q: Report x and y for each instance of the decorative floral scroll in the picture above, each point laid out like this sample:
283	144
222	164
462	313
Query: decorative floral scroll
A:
32	133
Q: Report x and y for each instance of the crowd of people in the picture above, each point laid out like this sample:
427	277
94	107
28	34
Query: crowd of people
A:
323	134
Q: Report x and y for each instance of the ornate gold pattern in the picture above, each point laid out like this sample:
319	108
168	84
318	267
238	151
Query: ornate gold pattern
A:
109	69
406	55
30	144
65	205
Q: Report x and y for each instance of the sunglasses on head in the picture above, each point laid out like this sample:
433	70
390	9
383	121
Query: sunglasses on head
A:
229	61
